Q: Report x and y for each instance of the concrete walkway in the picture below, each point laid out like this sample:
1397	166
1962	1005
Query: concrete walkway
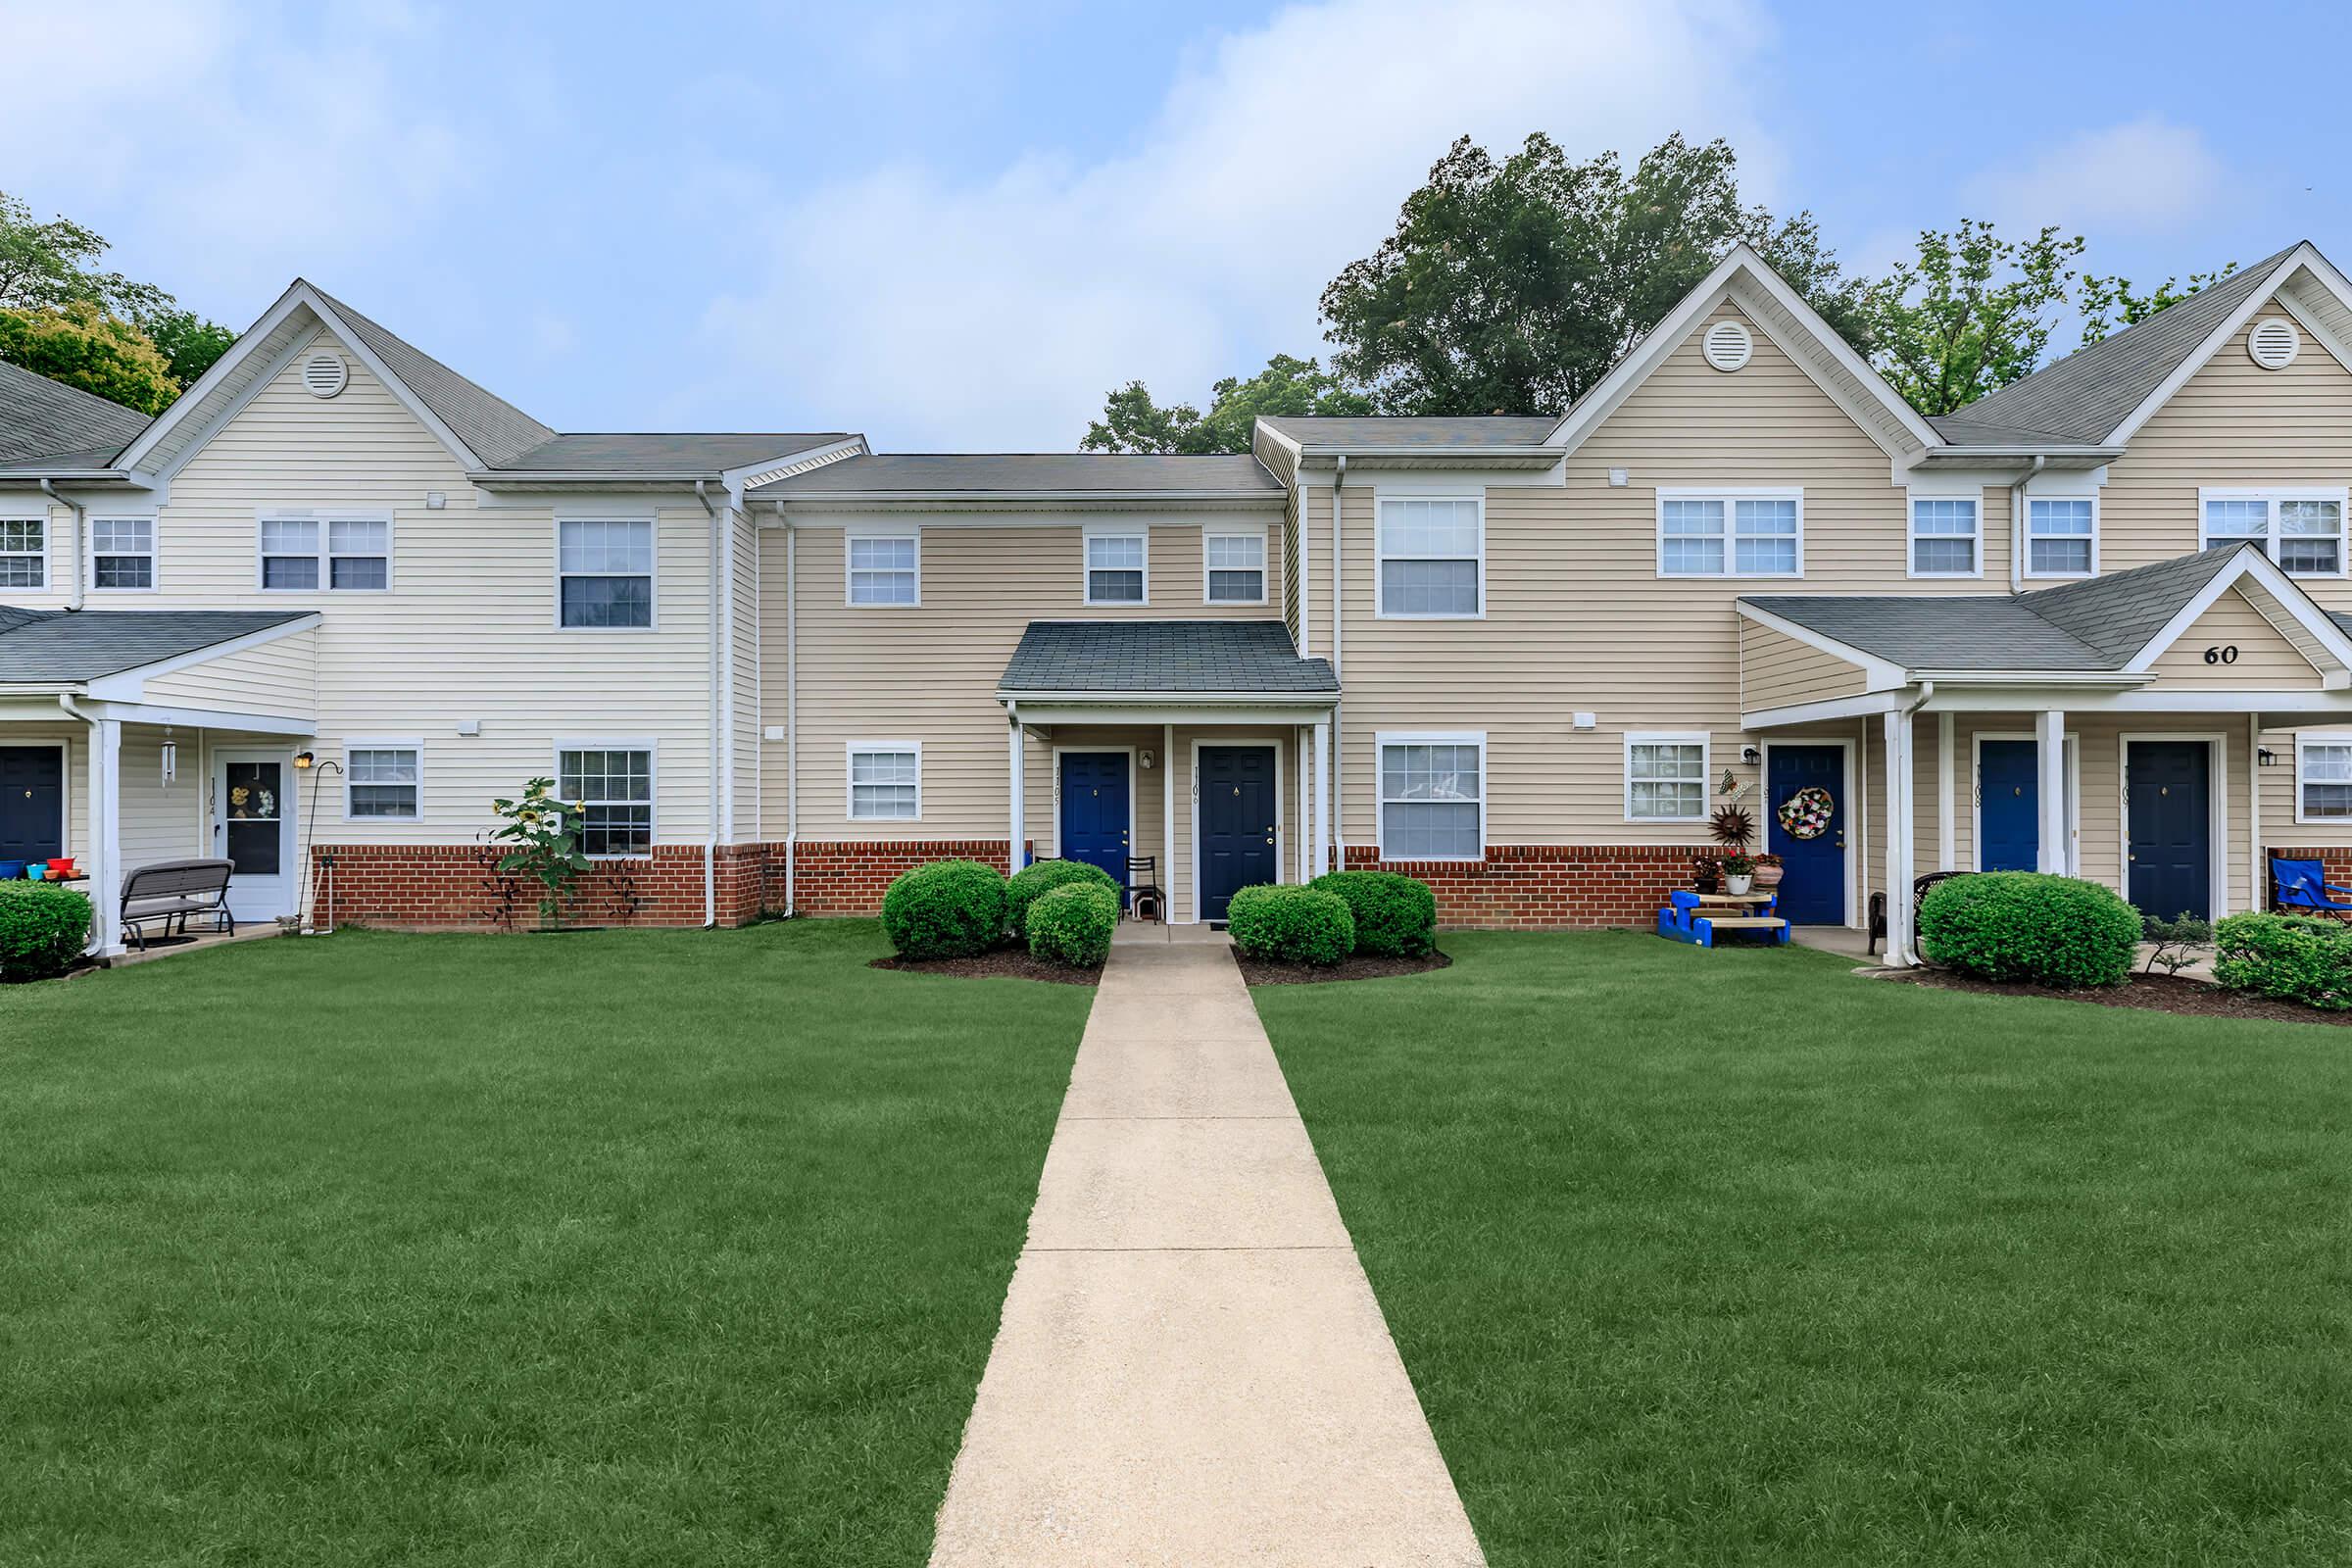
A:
1191	1368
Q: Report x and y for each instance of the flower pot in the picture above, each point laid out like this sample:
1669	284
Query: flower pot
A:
1735	884
1767	877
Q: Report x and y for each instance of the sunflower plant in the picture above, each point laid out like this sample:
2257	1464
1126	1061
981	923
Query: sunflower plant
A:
544	831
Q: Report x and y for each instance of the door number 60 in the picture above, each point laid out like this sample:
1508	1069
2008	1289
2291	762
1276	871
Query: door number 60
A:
2225	654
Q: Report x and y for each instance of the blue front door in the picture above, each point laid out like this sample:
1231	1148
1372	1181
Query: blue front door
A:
1813	870
2008	807
1238	805
2168	799
32	802
1093	810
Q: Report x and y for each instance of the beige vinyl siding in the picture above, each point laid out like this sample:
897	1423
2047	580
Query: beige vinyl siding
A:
1281	462
2279	787
159	822
279	677
744	745
1779	672
2266	660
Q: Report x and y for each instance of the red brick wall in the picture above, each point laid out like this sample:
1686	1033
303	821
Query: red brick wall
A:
1535	887
848	876
459	885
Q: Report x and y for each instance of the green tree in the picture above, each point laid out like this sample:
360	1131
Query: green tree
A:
46	265
1971	314
188	341
1511	286
2108	304
1132	423
82	346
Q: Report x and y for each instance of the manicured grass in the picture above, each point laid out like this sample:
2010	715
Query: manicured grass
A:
625	1247
1732	1257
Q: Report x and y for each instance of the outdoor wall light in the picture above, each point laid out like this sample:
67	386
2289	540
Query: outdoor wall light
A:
1143	759
1750	755
304	761
2266	757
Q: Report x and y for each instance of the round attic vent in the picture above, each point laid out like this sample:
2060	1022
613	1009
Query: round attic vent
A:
2273	343
1727	346
324	374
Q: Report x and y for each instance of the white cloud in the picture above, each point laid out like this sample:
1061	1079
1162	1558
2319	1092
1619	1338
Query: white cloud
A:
2147	175
996	311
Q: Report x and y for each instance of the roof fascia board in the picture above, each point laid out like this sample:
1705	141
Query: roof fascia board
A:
126	684
1257	424
1838	350
2234	324
2284	589
466	457
1172	708
1827	709
2313	326
185	406
1878	674
1029	501
163	475
1831	390
133	713
804	459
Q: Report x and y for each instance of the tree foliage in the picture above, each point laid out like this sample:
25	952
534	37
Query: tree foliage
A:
82	346
1970	315
189	342
1132	423
2110	303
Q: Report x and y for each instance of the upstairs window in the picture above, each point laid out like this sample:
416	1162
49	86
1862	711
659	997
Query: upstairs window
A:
2302	530
1117	570
605	572
885	570
1723	534
1433	557
123	553
23	553
613	787
379	782
351	555
1665	778
1945	537
1236	564
2061	538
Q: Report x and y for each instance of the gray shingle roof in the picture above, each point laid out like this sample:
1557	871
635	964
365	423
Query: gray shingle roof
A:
61	645
2094	625
2085	396
492	428
1163	655
1018	474
41	419
664	452
1465	433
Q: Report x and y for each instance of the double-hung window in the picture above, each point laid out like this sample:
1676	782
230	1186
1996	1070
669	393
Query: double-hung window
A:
1117	569
2323	778
1433	557
23	553
605	572
380	780
1947	537
885	781
1433	797
885	568
613	788
302	555
2062	537
1236	565
1730	534
2302	530
123	553
1665	778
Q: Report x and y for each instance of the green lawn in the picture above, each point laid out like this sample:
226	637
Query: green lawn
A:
625	1247
1732	1257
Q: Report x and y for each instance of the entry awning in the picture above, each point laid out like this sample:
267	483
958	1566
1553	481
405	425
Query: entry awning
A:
1166	666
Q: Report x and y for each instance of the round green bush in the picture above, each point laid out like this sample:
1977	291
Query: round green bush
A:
1290	924
1072	923
1396	916
1036	881
43	928
2029	926
946	910
2287	957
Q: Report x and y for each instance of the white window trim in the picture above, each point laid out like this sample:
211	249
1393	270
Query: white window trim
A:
2031	500
1912	535
48	583
324	554
408	743
1381	557
1731	497
1382	740
2273	494
653	584
1086	570
1265	567
154	553
2316	737
1668	737
848	779
653	778
849	593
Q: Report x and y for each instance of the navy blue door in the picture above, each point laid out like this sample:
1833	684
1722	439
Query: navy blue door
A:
1813	870
1093	810
2167	798
33	801
2009	807
1237	823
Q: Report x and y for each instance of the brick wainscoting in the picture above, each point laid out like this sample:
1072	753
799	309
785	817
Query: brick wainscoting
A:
1549	887
459	885
848	876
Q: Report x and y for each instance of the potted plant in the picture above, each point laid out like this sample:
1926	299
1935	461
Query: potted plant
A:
1768	871
1739	873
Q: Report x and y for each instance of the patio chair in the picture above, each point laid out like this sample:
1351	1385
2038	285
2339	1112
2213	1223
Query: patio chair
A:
173	890
1143	887
1919	891
2301	887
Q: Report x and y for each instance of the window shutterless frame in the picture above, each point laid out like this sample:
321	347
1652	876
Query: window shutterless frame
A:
1681	775
1757	523
2056	521
1382	502
2269	515
380	776
123	546
323	550
2329	770
652	575
851	782
1383	741
1139	562
1211	570
653	784
1943	514
881	568
24	552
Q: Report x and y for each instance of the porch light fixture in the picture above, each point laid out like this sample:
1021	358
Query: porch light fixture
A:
1143	759
304	762
2263	757
1750	755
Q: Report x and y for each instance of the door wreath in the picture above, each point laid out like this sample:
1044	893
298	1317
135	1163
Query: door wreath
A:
1806	813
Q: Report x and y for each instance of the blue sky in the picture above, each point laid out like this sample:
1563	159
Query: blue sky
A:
953	227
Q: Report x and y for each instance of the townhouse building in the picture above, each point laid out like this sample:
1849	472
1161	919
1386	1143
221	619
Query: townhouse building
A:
321	611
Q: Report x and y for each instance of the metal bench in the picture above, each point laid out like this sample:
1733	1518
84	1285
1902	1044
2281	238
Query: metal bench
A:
173	890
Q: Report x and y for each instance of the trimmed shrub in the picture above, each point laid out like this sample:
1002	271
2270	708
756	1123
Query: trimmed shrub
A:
1396	916
1290	924
1036	881
2029	926
946	910
2287	957
43	928
1071	924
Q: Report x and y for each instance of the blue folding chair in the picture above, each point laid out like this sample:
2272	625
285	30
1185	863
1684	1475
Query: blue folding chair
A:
2302	887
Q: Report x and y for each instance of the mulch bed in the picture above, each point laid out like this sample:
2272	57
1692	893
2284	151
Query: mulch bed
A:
1012	961
2152	992
1361	967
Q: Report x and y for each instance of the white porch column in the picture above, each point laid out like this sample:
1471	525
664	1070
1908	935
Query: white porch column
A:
1945	853
1167	822
2049	782
1901	829
1322	857
1021	816
106	828
2257	871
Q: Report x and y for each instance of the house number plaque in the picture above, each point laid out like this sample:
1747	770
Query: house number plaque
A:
2227	654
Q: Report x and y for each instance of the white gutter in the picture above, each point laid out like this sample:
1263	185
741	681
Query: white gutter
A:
1338	622
2017	524
49	489
792	712
710	837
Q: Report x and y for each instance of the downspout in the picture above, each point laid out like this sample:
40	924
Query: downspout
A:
1338	855
2016	523
792	713
710	837
80	514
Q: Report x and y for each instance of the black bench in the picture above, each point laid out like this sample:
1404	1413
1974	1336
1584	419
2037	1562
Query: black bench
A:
173	890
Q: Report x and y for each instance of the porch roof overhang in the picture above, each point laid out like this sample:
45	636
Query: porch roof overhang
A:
1165	673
